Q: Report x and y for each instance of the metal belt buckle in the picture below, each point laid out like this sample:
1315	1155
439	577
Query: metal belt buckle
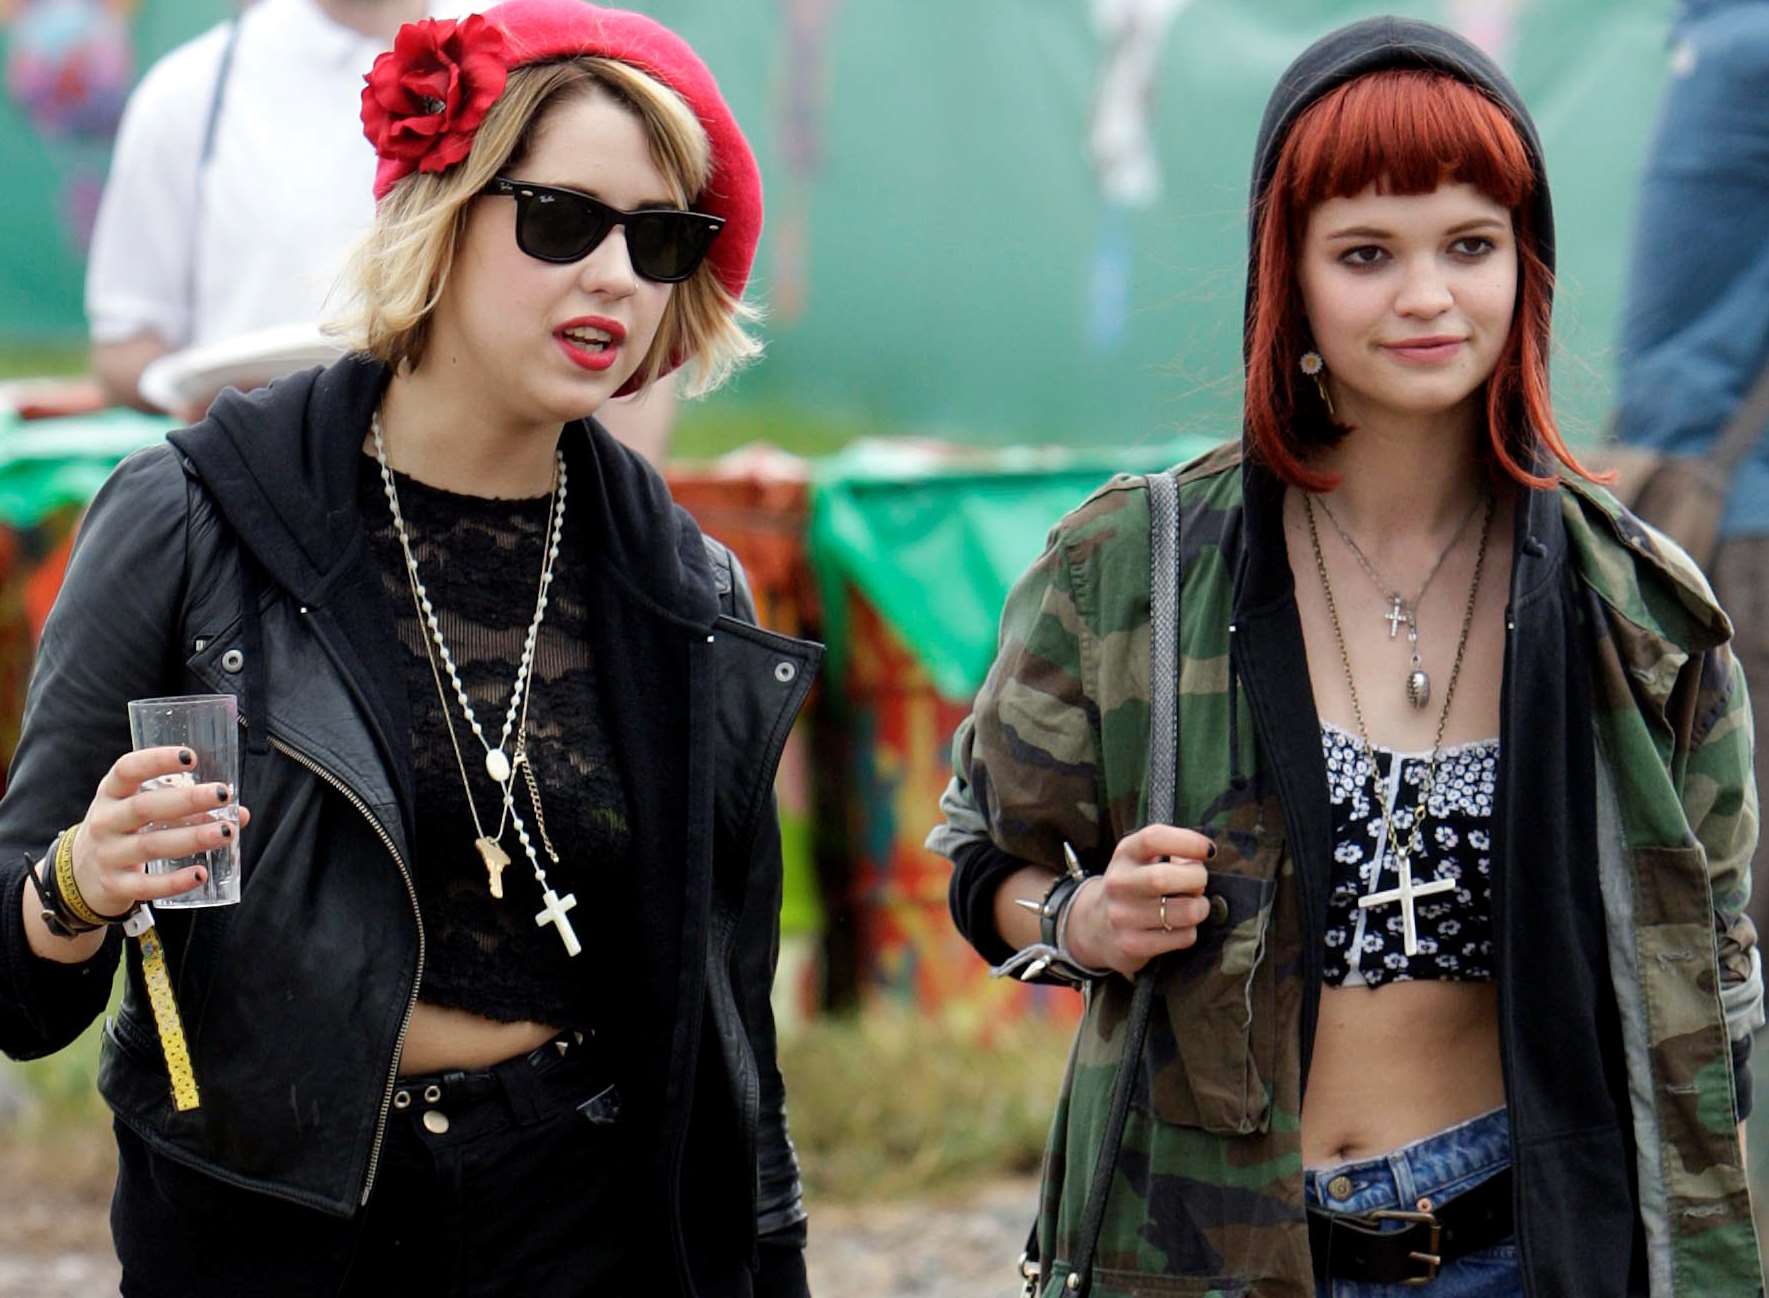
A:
1433	1260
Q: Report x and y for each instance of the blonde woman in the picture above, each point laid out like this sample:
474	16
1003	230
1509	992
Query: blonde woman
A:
492	1014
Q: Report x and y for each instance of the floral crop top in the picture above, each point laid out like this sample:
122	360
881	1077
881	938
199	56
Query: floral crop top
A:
1365	946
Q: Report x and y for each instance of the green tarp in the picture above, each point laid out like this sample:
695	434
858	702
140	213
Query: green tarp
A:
934	542
951	245
49	464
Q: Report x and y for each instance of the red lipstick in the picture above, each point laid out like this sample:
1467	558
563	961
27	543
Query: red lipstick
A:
591	342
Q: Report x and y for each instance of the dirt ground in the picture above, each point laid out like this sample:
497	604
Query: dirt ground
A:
55	1242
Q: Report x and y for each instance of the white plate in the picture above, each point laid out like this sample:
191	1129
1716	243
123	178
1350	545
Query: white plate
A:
245	361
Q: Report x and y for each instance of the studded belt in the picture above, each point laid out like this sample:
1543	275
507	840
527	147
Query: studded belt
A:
1392	1246
548	1078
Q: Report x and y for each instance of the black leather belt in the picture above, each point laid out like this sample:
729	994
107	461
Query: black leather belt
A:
1368	1247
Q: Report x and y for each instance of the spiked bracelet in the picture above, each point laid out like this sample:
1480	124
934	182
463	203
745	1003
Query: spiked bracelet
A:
1050	958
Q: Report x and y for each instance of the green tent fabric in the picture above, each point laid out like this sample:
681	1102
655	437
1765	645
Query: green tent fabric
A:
933	537
955	250
49	464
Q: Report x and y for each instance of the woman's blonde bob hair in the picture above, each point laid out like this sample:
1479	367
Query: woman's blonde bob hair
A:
398	273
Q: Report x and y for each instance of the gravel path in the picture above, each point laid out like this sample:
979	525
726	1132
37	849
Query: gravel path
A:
952	1246
962	1246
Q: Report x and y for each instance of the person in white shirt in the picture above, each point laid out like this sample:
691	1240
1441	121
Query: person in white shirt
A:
216	224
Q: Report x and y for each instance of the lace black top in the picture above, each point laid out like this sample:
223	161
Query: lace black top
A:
480	561
1454	926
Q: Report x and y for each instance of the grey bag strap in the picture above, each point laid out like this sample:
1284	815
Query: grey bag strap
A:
1163	647
1163	780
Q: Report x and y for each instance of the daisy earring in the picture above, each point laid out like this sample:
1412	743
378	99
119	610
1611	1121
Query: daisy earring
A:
1315	368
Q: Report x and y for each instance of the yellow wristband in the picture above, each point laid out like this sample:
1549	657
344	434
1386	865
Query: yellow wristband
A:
69	890
159	994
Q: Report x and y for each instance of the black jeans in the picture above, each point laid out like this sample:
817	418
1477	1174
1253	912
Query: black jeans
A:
514	1181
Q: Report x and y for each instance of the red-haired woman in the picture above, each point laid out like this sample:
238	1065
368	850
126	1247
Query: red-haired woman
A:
1454	985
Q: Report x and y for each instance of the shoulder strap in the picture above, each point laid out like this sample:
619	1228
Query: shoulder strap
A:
1163	779
217	95
1163	772
1748	420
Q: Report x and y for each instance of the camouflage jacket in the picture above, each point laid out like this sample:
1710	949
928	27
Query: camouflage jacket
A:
1624	970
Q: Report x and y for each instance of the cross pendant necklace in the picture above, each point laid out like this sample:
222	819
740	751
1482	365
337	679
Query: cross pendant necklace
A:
1404	894
1403	852
1400	611
553	912
1397	615
498	764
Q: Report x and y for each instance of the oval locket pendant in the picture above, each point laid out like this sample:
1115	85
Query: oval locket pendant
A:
498	766
1418	687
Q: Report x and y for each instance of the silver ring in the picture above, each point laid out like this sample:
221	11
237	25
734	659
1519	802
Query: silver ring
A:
1164	923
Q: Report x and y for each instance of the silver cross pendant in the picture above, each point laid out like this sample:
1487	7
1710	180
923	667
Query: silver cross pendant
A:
1397	616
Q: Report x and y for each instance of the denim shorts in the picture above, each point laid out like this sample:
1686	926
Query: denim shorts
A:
1437	1168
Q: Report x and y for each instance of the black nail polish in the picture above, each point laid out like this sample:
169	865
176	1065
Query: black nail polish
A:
221	794
1212	854
227	831
202	876
186	757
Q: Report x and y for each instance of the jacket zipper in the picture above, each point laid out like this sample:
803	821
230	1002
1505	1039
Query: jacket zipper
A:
411	1004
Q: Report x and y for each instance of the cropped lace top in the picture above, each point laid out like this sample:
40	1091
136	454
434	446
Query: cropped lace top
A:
481	564
1365	946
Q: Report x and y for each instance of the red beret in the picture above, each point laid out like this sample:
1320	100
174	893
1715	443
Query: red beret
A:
427	95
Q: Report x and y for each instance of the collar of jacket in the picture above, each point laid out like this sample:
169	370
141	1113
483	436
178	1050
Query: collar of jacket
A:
281	462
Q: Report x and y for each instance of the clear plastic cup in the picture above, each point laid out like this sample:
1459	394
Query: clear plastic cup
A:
208	725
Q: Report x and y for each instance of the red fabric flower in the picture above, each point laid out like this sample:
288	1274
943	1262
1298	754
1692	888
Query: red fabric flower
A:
426	96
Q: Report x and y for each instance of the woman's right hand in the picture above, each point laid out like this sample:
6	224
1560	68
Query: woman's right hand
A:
111	848
1116	923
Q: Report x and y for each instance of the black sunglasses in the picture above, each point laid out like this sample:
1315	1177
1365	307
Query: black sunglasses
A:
666	244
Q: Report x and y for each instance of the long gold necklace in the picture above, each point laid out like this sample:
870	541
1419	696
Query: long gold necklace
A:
1406	890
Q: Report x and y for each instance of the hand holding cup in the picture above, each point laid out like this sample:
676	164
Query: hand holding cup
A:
1149	901
137	816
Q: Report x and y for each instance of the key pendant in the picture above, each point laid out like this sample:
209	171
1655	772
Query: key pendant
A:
495	860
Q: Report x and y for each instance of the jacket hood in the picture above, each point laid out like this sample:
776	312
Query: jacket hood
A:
1375	45
282	465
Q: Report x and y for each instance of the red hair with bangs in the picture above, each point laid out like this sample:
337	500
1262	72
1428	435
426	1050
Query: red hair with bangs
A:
1405	131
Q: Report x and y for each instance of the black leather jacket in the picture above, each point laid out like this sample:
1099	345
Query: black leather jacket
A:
232	561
